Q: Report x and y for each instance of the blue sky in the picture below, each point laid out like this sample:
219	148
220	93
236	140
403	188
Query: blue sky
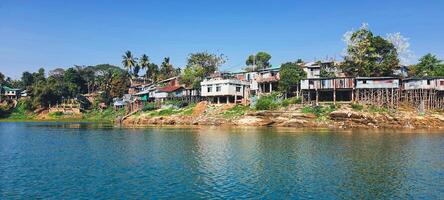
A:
52	34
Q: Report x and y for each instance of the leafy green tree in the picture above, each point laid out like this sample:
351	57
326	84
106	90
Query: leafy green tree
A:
290	73
369	55
429	65
208	61
259	61
324	73
128	61
192	76
39	76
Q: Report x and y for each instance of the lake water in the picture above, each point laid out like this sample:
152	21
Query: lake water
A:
79	161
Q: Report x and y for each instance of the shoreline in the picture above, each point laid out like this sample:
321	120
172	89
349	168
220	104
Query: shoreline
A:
293	116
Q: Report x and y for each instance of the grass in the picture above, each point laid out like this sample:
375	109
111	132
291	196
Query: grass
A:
319	111
21	112
376	109
357	107
106	115
236	111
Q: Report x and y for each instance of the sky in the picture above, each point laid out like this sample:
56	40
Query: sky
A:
53	34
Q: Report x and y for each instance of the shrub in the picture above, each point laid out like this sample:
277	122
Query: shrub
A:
285	102
289	101
319	110
377	109
266	103
358	107
149	107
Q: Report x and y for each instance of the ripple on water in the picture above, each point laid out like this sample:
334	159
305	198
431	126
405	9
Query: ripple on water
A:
80	161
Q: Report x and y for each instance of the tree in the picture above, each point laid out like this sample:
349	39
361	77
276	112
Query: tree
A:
208	61
144	62
429	65
128	61
2	78
27	79
192	76
136	70
369	55
259	61
166	69
402	47
290	73
152	72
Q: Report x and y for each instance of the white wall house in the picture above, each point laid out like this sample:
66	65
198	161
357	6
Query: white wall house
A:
220	90
312	70
376	82
423	83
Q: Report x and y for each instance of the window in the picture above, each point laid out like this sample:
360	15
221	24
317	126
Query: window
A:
209	89
428	82
238	89
441	82
364	81
218	88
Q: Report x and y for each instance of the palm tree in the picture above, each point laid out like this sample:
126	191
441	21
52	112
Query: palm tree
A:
144	62
128	61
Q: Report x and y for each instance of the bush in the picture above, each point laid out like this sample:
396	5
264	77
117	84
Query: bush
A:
376	109
176	103
266	103
358	107
319	110
149	107
289	101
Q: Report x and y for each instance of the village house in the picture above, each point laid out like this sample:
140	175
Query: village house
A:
225	90
267	80
377	83
169	93
425	92
10	93
312	69
425	83
327	89
379	91
249	77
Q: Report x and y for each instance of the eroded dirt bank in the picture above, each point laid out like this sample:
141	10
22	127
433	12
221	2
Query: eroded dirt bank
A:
293	116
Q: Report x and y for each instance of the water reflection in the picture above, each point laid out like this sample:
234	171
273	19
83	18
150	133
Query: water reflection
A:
82	160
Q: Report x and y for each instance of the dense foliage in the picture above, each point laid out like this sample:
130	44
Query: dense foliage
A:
429	65
291	74
369	55
200	65
259	61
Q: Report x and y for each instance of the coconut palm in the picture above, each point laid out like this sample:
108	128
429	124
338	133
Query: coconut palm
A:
128	61
144	62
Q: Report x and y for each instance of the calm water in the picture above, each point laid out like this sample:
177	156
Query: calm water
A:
78	161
